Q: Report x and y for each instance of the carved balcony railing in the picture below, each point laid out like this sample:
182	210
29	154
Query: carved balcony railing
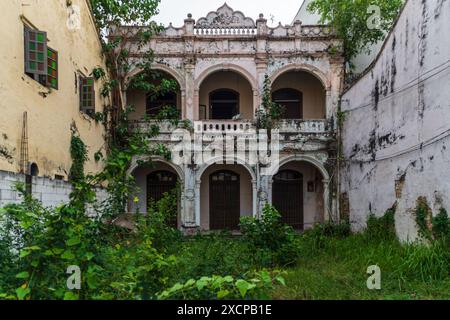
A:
321	126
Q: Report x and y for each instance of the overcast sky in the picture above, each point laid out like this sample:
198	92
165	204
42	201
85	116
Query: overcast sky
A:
175	11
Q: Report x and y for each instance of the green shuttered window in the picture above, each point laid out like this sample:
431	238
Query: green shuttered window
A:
87	95
41	61
35	52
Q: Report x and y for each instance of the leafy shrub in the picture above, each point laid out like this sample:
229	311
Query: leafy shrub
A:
381	228
441	225
317	237
39	244
218	253
272	240
254	286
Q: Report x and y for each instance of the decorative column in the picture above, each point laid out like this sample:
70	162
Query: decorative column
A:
197	202
261	58
298	34
188	198
326	200
255	198
189	68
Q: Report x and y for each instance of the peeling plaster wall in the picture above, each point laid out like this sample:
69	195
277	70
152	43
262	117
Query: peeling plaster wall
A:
395	134
50	112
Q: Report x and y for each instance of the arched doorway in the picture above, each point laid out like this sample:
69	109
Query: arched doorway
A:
287	197
292	102
160	183
224	200
224	104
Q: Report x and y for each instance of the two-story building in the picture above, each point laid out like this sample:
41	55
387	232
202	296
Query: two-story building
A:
227	168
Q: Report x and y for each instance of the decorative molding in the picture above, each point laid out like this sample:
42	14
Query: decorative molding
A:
225	17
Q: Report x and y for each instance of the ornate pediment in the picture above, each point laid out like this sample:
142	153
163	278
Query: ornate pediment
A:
225	17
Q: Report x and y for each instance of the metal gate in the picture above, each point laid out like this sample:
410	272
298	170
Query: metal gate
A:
159	183
287	197
224	201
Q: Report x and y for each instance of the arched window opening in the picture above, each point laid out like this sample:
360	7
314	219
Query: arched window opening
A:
224	104
291	100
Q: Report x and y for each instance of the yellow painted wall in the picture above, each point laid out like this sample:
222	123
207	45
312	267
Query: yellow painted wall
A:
50	117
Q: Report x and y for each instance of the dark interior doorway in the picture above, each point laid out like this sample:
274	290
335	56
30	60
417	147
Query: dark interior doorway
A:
224	104
159	183
287	197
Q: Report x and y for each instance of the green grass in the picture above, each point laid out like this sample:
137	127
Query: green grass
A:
329	267
337	270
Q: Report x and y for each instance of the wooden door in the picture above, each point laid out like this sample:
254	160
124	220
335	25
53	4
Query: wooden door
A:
224	201
287	197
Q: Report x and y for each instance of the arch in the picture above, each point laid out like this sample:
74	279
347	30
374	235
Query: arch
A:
34	169
304	158
227	67
305	68
161	67
135	164
231	161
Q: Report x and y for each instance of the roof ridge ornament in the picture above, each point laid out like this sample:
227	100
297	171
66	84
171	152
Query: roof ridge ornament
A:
225	17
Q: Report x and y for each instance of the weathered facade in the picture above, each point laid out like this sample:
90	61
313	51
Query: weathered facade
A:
49	48
220	63
397	122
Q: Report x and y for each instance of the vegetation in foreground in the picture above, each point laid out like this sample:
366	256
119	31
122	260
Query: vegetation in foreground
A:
155	262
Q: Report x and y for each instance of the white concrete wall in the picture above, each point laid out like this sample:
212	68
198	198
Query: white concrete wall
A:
398	121
50	192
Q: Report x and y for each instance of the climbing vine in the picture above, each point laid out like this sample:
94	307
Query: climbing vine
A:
270	112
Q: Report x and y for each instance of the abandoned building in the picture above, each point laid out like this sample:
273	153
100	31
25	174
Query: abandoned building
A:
392	147
220	63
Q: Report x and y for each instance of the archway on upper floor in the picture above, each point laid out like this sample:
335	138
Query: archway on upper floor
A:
299	192
158	96
226	194
225	95
302	95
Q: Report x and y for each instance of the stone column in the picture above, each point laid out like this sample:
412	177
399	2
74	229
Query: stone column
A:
189	68
188	213
255	198
326	200
197	202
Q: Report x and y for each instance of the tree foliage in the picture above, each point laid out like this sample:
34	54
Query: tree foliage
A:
350	19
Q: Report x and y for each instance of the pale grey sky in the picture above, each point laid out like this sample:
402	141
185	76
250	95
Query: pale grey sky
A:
175	11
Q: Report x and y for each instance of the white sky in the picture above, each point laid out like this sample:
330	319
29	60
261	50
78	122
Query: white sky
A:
176	11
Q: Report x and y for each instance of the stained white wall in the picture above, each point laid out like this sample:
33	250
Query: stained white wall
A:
398	121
